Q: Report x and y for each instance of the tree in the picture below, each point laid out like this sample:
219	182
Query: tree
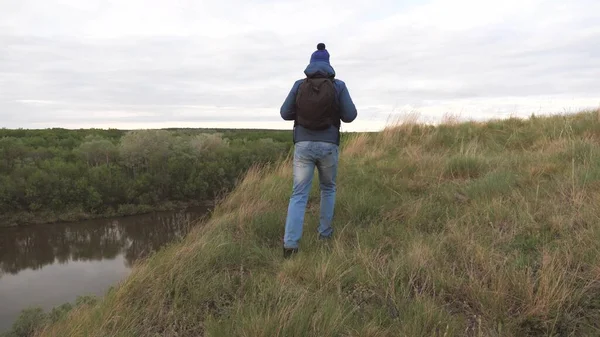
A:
146	149
11	151
208	142
97	150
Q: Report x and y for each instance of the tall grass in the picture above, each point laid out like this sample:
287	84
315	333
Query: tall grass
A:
461	229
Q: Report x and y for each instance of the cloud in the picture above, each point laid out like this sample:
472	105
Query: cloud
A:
156	63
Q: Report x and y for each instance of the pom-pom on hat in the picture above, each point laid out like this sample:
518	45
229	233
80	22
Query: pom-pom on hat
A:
320	55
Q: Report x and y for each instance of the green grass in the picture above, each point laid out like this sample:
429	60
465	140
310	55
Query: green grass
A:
464	229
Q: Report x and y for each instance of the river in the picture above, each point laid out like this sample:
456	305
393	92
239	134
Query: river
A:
48	265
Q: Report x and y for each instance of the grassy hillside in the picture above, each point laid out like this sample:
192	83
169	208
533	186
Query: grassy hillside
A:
465	229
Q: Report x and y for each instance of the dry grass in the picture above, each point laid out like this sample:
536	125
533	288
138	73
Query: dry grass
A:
463	229
358	145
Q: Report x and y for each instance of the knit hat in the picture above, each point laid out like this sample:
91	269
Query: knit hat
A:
321	54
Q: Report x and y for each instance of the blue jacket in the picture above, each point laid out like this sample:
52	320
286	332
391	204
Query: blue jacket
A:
347	109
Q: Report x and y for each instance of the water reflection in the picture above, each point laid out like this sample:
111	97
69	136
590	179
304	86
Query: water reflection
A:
48	265
33	247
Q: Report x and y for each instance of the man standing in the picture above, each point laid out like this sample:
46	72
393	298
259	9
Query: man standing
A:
316	104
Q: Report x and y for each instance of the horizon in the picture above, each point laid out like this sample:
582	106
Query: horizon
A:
408	118
158	64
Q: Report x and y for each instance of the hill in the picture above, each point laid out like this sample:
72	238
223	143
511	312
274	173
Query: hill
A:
461	229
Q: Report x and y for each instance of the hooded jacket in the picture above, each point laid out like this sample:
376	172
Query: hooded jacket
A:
347	108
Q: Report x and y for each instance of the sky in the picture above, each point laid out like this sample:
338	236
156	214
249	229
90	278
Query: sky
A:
201	63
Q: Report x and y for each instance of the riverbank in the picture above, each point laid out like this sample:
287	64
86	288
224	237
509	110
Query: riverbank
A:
462	229
48	217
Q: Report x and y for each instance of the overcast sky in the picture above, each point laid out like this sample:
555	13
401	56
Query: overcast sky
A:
230	63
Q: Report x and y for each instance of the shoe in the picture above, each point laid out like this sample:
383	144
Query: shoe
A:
287	252
324	238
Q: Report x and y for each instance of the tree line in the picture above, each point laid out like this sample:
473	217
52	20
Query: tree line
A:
61	174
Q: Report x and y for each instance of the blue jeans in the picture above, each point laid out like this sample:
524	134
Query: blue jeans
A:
308	155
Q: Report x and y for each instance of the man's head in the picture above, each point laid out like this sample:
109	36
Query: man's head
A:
320	55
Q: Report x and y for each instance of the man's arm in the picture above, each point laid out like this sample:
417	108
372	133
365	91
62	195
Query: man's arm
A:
347	108
288	109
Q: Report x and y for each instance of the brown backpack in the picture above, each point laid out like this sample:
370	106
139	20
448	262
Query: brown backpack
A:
317	106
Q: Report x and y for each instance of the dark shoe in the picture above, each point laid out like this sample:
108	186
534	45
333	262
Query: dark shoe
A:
324	238
287	252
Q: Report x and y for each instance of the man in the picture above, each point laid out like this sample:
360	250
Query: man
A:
316	104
